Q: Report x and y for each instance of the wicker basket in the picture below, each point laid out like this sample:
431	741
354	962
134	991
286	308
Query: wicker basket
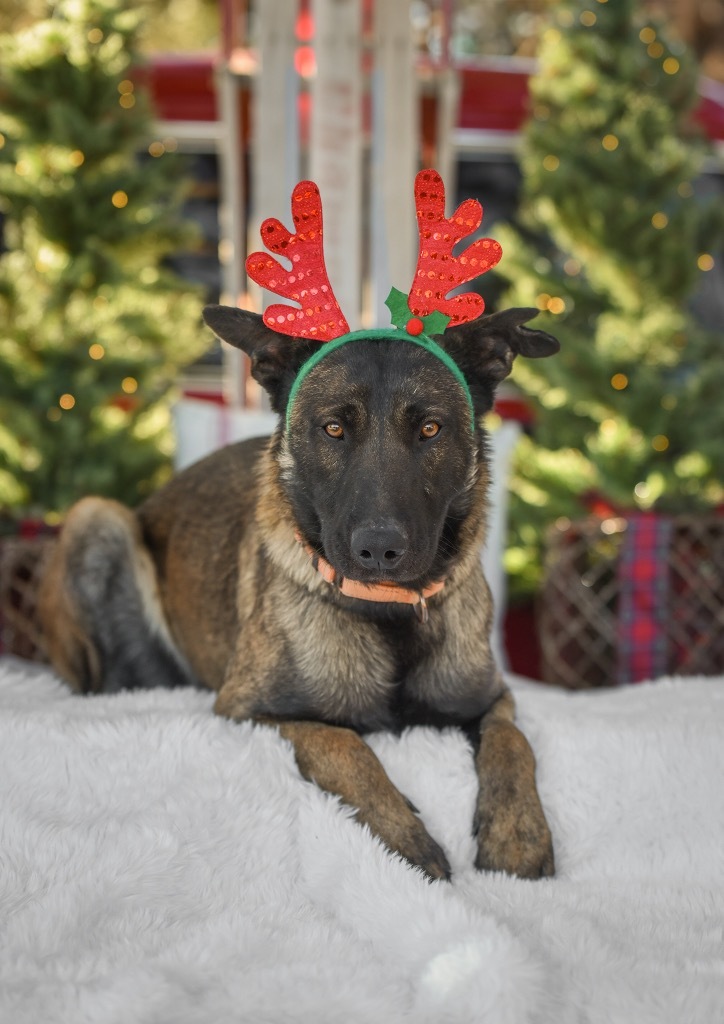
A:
21	565
579	615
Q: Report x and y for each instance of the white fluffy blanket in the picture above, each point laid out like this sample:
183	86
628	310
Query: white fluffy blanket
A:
159	864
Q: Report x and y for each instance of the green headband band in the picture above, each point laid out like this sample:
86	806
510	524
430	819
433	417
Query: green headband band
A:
385	334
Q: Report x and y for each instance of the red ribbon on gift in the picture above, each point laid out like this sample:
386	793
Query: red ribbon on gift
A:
643	604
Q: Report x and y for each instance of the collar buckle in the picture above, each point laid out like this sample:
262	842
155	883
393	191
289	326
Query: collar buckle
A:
421	610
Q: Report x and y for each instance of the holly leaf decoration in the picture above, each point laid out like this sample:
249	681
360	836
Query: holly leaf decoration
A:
401	314
435	323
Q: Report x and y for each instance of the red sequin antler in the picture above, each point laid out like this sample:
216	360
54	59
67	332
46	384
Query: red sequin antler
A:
318	315
438	271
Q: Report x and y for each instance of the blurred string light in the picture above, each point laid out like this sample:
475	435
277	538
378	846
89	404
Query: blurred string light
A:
553	303
656	49
659	220
660	443
76	158
129	385
619	381
305	59
609	142
304	27
588	19
66	402
95	36
119	199
705	261
126	99
551	162
96	351
160	146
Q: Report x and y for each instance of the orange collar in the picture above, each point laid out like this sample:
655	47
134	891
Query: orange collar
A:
378	592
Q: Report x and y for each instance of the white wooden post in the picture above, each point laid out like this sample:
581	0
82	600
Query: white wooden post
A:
395	135
231	220
275	150
448	102
335	162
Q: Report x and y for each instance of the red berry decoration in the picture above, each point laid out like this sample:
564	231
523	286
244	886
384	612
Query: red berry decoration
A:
415	326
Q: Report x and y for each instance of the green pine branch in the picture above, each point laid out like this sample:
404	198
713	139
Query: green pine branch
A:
611	243
96	328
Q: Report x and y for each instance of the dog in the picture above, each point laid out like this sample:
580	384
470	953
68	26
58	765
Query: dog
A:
326	581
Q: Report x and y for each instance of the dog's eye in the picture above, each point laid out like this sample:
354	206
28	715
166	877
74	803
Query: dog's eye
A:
429	429
334	430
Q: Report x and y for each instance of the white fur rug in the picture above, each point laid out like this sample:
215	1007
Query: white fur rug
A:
159	864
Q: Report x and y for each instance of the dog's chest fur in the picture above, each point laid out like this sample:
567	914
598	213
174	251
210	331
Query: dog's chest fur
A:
366	667
275	639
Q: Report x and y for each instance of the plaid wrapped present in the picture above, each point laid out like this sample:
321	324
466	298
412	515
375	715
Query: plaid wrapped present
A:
644	599
24	548
628	599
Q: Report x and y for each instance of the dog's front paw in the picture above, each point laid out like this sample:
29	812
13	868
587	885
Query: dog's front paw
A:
516	840
512	830
401	830
423	851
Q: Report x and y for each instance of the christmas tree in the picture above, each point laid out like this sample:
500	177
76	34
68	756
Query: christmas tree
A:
611	241
94	328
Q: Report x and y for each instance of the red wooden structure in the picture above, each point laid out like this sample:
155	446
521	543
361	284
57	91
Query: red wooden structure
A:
493	96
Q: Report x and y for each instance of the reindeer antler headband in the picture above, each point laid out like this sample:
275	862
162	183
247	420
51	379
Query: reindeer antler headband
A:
425	311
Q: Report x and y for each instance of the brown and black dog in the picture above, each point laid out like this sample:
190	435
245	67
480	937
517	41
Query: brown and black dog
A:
377	475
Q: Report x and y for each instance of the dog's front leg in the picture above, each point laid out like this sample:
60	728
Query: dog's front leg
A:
339	761
512	831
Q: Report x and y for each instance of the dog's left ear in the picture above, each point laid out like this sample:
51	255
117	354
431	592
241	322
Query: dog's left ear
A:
485	348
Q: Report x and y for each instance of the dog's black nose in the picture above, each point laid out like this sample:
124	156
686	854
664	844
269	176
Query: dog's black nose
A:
378	546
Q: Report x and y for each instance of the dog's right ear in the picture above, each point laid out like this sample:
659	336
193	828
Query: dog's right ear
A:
275	358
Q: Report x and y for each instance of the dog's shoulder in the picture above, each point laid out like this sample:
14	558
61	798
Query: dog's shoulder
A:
218	483
199	525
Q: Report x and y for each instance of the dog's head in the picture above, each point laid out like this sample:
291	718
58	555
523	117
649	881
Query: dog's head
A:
382	442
